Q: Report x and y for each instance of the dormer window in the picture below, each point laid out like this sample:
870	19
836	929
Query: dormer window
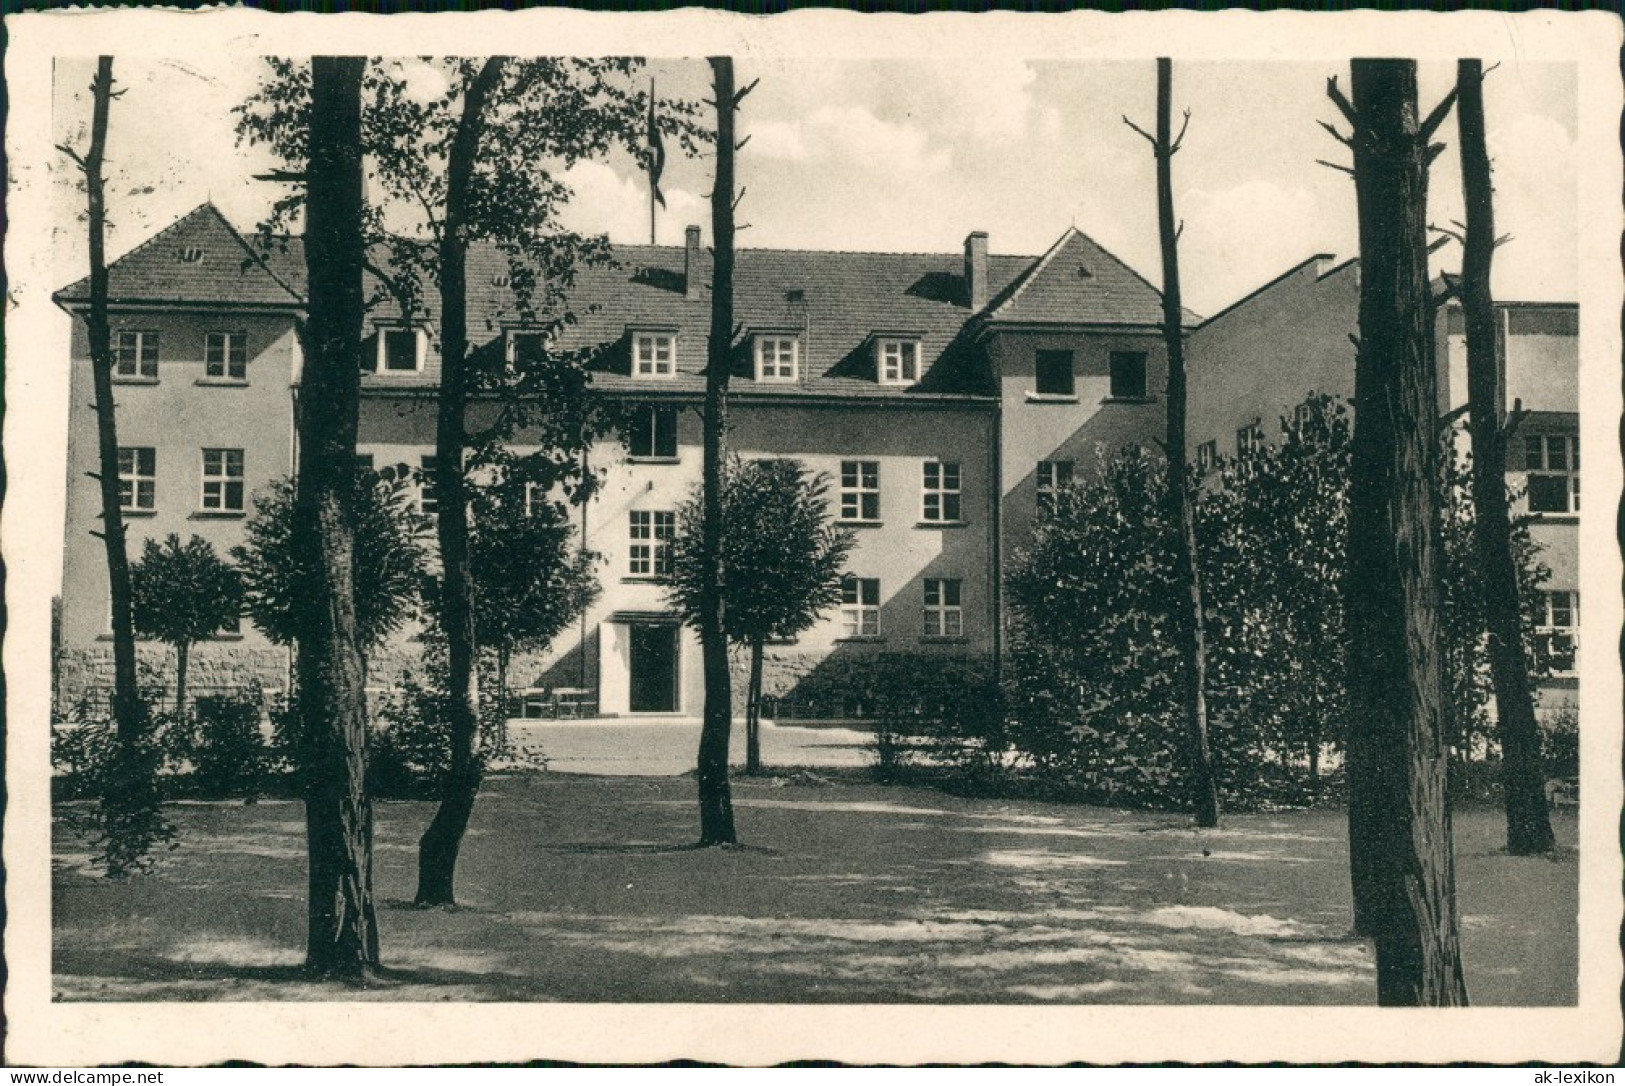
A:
778	358
654	354
400	350
898	361
525	349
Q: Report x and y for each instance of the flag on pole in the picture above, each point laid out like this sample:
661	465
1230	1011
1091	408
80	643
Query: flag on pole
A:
657	152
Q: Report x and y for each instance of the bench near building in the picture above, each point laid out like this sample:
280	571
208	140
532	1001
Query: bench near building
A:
942	394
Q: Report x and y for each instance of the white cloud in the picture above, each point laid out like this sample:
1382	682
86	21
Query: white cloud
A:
1239	237
777	140
607	202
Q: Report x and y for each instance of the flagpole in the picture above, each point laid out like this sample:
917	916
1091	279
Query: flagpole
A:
652	181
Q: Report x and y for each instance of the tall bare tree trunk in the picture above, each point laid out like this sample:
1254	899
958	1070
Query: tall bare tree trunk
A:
753	710
1187	612
342	937
716	800
129	714
1523	779
441	842
1402	858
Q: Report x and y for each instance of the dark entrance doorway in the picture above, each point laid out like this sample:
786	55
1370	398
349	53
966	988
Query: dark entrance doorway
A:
654	667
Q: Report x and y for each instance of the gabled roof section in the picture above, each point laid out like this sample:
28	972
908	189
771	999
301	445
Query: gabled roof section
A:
1079	282
200	258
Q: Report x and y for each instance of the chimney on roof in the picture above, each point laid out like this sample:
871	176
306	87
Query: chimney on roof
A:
691	262
976	269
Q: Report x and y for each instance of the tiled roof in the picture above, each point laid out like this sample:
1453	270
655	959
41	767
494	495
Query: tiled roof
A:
837	302
1078	282
198	257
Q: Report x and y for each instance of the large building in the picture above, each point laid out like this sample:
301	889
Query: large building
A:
942	394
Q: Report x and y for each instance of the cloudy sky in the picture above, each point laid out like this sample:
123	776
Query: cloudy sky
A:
912	155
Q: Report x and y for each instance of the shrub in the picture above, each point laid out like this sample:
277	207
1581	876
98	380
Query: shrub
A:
230	756
409	754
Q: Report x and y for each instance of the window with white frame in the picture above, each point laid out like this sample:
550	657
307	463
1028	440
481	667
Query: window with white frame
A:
400	350
943	615
1207	456
1250	438
525	350
654	354
860	607
651	433
135	355
1557	632
651	533
428	495
777	358
1053	476
223	480
225	356
860	490
899	361
138	479
940	492
1553	464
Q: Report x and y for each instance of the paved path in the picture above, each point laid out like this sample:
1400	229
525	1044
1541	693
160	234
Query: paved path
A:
667	748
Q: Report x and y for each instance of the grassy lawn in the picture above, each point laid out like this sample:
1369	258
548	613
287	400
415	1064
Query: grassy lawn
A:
583	889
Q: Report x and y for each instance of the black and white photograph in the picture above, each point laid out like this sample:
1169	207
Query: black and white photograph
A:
863	538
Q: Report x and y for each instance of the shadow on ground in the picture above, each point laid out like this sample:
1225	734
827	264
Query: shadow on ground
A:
587	889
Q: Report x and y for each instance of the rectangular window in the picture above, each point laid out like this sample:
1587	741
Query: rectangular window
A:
1553	463
364	463
223	480
526	350
860	607
1055	374
535	498
941	491
1207	456
1128	375
652	433
860	490
135	355
428	498
943	616
1557	635
654	354
899	361
1250	438
138	480
651	533
1053	475
400	350
225	356
777	358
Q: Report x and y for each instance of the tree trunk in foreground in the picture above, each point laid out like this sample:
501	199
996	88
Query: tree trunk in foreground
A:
442	841
1523	778
342	938
753	711
716	800
1400	845
1187	613
129	714
182	654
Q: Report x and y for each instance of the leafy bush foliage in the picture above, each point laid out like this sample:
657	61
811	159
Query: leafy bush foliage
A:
410	750
229	753
125	823
1092	676
390	552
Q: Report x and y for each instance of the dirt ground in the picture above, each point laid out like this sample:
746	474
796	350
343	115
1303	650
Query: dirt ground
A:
578	888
